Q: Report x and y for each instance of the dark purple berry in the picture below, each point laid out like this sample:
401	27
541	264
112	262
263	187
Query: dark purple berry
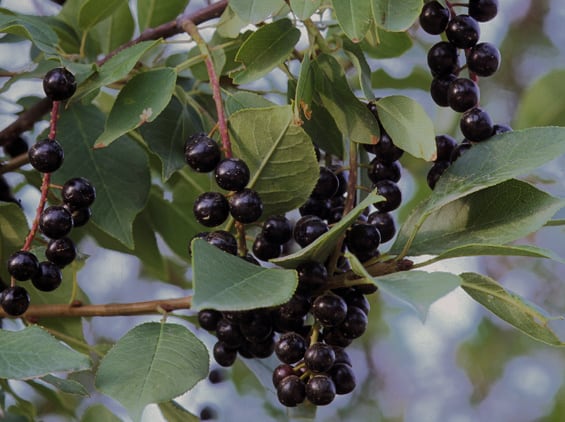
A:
320	390
281	372
329	309
277	229
343	378
483	10
262	349
341	178
209	318
483	59
384	171
476	125
55	222
229	333
443	59
462	94
211	209
435	172
80	215
61	252
297	307
434	18
311	275
78	193
46	155
439	88
291	391
232	174
385	150
318	207
265	250
290	347
258	329
308	228
202	153
327	184
224	355
319	357
48	278
460	149
354	324
354	297
384	223
59	84
392	195
222	240
23	265
463	31
341	356
246	206
362	237
15	300
217	375
445	145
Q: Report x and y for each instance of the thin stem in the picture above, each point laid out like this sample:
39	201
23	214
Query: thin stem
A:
77	310
70	339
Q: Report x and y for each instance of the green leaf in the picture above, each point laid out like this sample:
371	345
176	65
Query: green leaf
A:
93	11
143	98
393	15
99	413
152	363
120	173
239	100
496	215
66	385
167	134
116	68
265	49
32	352
280	156
235	284
510	307
417	79
151	13
174	412
500	250
532	110
14	229
303	9
416	289
230	24
408	125
304	87
358	59
352	117
323	130
354	17
253	11
385	45
509	155
323	247
33	28
115	30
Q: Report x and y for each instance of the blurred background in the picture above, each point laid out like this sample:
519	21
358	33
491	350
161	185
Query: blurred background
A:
462	364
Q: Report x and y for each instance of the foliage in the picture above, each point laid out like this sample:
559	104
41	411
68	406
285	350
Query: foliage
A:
140	98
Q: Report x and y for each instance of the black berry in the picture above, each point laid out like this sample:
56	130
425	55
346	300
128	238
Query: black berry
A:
483	10
319	357
385	150
362	237
209	318
318	207
320	390
443	59
327	184
224	355
354	324
277	229
434	18
61	252
343	378
265	250
483	59
229	333
463	31
311	275
59	84
435	172
46	156
476	125
384	222
290	347
246	206
80	215
202	153
15	300
392	195
281	372
232	174
462	94
460	149
445	145
308	228
48	278
55	222
23	265
291	391
383	171
78	193
211	209
223	240
439	88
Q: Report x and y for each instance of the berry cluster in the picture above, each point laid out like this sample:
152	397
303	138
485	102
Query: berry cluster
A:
55	222
449	88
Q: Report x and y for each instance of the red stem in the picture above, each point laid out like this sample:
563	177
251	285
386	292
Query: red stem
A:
217	95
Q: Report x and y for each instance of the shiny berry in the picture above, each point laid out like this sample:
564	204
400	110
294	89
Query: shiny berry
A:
384	223
435	172
277	229
265	250
78	193
290	347
445	145
318	207
258	329
383	171
209	318
343	378
291	391
23	265
434	18
392	195
362	237
222	240
483	59
232	174
281	372
308	228
462	94
55	222
463	31
46	156
354	324
211	209
61	252
319	357
443	59
326	186
476	125
202	153
15	300
80	215
59	84
246	206
385	150
223	354
229	333
48	278
483	10
460	149
311	275
320	390
439	88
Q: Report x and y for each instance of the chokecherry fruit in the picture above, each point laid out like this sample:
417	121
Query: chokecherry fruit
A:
281	372
23	265
460	149
435	172
48	278
80	215
59	84
362	238
385	151
211	209
265	250
483	10
309	228
384	222
61	252
383	171
434	18
343	377
202	153
354	324
291	391
46	155
15	300
445	145
319	357
78	192
440	87
209	318
443	59
320	390
290	347
329	309
476	125
246	206
311	275
277	229
327	184
224	355
462	94
55	222
463	31
318	207
223	240
232	174
392	194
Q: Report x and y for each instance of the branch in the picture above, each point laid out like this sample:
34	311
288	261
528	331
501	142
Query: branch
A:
27	119
35	312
